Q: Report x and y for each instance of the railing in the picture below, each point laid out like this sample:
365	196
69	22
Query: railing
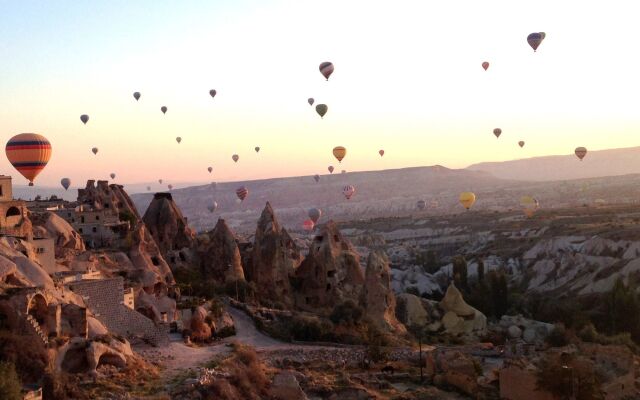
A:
35	329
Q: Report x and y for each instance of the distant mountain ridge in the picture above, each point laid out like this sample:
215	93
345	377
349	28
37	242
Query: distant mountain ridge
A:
598	163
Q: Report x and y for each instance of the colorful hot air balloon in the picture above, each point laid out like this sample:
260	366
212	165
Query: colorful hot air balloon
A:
485	65
29	153
148	188
94	150
497	132
112	175
421	204
242	193
213	93
308	225
534	39
65	182
521	143
136	95
257	149
212	207
160	181
581	152
170	186
322	109
163	109
210	169
178	139
467	199
316	177
84	118
235	157
315	214
381	152
310	100
339	152
326	69
331	169
529	205
348	191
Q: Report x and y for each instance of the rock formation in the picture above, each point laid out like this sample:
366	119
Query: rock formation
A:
459	317
330	274
167	225
67	241
220	256
151	267
102	196
378	300
274	259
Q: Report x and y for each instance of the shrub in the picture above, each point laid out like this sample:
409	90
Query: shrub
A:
27	354
310	329
10	386
558	337
346	313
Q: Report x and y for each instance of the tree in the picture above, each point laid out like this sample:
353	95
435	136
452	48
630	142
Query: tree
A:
10	386
622	310
480	270
460	272
499	293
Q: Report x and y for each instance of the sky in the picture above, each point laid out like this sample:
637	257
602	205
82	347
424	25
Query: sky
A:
408	79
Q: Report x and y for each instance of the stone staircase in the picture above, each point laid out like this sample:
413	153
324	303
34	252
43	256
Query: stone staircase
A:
34	327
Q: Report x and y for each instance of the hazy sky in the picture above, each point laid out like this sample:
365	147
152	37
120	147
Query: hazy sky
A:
408	79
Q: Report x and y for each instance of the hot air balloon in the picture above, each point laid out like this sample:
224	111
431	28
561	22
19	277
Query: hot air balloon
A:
112	175
242	193
529	205
84	118
94	150
381	152
214	185
315	214
213	93
322	109
421	204
178	139
160	181
235	157
212	207
581	152
348	191
317	178
521	143
339	152
310	100
534	39
257	149
136	95
148	188
163	109
331	169
485	65
344	171
65	182
29	153
170	186
210	169
326	69
308	225
467	199
497	132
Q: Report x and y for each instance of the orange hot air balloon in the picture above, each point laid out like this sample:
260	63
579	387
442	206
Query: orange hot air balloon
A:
485	65
339	152
581	152
381	152
29	153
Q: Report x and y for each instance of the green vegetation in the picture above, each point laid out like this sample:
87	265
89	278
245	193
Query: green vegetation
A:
567	376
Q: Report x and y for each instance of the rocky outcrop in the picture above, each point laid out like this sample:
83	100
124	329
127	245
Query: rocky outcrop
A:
219	255
410	311
461	318
453	368
285	386
167	225
67	241
151	268
274	259
330	274
102	196
200	328
378	300
157	304
531	331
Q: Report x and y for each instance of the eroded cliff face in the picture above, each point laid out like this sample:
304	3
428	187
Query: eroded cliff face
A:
378	299
219	255
168	226
68	242
102	196
330	274
274	260
150	266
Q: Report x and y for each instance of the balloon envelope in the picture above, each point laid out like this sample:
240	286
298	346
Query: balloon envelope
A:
310	100
497	132
316	178
381	152
421	204
112	175
170	186
148	188
94	150
235	157
29	153
581	152
163	109
534	39
521	143
136	95
160	181
331	169
84	118
257	149
314	214
326	69
339	152
65	182
178	139
485	65
322	109
212	207
467	199
242	193
348	191
308	225
213	93
210	169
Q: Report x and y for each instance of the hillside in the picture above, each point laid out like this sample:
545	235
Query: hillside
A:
611	162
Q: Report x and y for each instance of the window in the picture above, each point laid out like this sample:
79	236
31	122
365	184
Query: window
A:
331	274
73	220
155	261
1	191
94	229
80	230
97	218
13	211
69	215
82	219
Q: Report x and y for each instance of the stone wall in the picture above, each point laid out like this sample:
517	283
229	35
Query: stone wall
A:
105	298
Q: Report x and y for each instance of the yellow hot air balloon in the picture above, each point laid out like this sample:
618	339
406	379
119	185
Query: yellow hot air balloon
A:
467	199
339	152
529	205
29	153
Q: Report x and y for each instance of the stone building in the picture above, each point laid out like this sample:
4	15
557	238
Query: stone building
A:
98	227
13	213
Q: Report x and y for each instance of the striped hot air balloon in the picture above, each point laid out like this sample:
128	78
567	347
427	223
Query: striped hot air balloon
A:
326	69
308	225
242	193
29	153
339	153
348	191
